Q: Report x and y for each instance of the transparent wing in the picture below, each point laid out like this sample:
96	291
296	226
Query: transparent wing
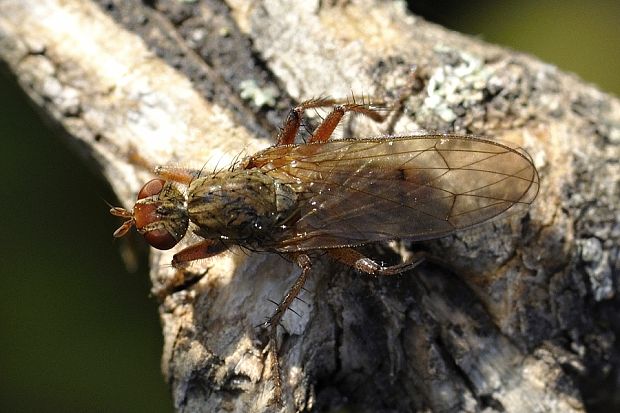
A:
357	191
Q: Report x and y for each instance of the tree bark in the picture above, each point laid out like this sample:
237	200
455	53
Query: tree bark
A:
521	314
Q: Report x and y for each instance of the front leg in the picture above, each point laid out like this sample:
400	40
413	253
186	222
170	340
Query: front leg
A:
182	279
183	176
169	173
200	250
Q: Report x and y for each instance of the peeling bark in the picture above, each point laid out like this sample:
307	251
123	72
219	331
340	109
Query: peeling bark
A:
517	315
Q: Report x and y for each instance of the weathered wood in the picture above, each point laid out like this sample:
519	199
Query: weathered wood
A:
518	316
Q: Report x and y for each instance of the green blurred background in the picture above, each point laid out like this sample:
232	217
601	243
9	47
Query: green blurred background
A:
85	336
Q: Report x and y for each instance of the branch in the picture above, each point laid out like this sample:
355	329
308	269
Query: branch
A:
515	317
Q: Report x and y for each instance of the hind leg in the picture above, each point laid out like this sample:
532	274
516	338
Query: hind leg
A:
360	262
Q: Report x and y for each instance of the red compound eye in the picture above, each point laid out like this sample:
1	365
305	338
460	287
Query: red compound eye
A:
159	214
152	187
160	239
145	215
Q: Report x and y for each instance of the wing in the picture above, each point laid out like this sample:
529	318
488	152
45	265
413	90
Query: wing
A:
357	191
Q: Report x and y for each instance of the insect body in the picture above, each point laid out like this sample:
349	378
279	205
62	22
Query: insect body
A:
333	196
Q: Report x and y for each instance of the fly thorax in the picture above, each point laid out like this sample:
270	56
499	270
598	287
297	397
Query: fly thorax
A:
245	206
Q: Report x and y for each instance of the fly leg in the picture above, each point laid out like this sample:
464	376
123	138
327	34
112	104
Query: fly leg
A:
341	106
324	131
183	176
360	262
182	279
200	250
289	130
169	173
272	324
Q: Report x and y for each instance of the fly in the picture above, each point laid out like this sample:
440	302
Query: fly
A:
333	196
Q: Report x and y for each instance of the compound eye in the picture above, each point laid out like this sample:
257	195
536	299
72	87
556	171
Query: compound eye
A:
160	239
152	187
159	214
146	215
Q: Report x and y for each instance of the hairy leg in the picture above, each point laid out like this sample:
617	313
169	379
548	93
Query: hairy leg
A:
325	129
360	262
272	324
